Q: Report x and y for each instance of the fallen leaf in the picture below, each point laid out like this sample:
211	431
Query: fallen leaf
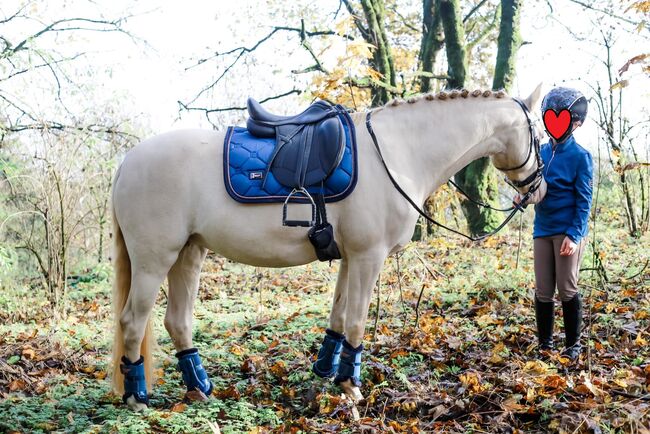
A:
179	407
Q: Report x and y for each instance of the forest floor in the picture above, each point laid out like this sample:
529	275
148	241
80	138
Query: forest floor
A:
463	361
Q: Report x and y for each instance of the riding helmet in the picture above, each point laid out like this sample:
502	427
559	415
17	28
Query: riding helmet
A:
562	98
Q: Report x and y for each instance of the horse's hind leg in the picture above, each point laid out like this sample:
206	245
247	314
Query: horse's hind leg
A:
146	278
183	288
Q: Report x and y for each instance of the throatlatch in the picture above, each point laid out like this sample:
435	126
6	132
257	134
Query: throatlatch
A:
134	380
329	355
194	376
350	364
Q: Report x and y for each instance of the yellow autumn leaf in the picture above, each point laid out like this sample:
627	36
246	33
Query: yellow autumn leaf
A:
536	366
360	48
344	26
639	341
237	350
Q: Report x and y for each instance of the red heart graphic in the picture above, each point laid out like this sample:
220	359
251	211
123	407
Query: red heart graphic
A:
557	124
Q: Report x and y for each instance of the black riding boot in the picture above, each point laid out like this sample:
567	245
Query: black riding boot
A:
572	310
544	316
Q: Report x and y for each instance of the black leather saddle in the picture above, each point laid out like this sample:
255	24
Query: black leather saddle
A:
309	145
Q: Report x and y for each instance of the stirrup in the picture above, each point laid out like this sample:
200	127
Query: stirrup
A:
134	380
301	223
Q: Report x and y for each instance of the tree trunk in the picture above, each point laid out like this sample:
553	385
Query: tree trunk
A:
452	25
432	41
375	14
478	178
509	42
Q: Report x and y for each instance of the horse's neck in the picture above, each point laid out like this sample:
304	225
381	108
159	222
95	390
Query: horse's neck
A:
427	142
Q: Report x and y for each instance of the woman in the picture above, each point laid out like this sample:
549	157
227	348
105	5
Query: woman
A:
560	228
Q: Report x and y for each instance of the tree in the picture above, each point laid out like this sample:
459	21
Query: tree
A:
56	158
478	178
377	65
21	57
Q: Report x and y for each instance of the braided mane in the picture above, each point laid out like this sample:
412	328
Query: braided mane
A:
444	95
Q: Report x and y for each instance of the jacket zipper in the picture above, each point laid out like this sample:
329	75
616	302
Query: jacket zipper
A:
549	161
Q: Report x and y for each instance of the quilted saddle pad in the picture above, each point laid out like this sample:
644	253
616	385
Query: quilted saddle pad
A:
246	159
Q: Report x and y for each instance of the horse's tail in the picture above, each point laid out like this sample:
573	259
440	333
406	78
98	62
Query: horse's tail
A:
121	289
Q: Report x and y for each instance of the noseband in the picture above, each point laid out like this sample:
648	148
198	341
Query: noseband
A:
534	177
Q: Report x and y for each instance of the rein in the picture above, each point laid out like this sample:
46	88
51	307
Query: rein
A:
535	176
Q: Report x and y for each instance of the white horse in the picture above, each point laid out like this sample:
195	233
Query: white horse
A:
170	206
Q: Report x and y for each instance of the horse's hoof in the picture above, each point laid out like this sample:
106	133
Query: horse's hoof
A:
196	395
135	405
351	390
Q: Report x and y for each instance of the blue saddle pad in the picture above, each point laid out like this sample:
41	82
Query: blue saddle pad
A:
245	161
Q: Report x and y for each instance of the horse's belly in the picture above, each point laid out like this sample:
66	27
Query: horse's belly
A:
254	235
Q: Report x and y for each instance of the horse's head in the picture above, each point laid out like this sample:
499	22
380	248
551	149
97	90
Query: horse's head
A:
520	159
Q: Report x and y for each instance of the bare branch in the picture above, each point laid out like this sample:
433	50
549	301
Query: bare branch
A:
404	19
473	10
113	26
47	64
602	11
237	108
15	15
241	51
358	21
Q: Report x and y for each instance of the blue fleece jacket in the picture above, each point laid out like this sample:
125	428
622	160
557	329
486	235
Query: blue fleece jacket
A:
568	171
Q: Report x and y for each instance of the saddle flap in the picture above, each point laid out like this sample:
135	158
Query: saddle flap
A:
310	156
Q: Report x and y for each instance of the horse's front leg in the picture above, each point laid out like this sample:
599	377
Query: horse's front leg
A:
183	288
363	271
327	363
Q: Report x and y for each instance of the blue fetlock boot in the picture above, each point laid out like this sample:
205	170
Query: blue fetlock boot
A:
194	376
328	357
134	382
350	365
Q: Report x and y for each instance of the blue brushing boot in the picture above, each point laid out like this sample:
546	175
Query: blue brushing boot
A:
194	376
328	357
134	382
350	365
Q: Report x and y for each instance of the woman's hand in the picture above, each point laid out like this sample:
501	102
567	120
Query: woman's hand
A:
568	247
536	197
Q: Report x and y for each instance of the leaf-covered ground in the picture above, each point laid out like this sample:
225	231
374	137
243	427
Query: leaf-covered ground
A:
467	365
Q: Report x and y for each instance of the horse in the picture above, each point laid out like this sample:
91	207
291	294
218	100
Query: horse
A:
170	206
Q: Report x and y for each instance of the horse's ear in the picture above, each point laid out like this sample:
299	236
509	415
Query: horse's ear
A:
533	99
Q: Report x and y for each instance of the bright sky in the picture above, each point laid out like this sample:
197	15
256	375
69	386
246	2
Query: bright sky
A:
149	79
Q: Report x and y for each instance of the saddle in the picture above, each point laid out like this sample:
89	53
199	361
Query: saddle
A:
308	147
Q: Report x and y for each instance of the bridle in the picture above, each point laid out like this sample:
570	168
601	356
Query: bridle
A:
534	143
535	177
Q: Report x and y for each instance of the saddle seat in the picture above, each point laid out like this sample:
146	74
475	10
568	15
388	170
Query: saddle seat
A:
309	145
314	113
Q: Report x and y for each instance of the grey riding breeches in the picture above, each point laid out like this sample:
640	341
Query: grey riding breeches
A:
552	269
